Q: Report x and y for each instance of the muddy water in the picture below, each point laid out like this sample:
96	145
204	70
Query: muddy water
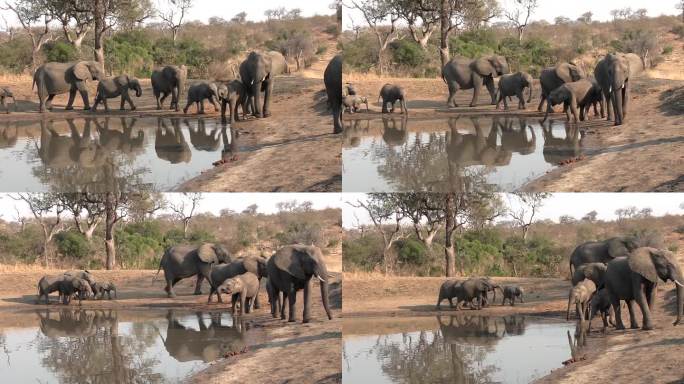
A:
403	154
91	346
459	349
110	153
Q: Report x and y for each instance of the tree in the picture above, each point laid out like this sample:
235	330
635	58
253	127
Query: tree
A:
590	216
276	13
527	205
239	18
520	14
292	14
77	205
640	13
626	213
422	21
75	24
455	14
251	210
47	210
184	209
561	20
426	221
35	22
377	13
173	15
386	217
567	219
680	5
585	18
143	207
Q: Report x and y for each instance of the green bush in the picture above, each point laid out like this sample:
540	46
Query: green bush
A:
363	253
407	53
72	244
131	53
135	250
473	44
59	51
303	232
15	55
411	252
668	49
678	30
360	54
24	246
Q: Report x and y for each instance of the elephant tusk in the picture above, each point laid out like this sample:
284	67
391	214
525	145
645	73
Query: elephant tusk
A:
320	278
678	283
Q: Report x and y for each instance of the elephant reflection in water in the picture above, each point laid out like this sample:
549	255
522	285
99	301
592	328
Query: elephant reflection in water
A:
476	329
558	149
8	136
230	144
170	144
353	132
201	139
207	343
124	141
57	151
394	134
478	148
516	139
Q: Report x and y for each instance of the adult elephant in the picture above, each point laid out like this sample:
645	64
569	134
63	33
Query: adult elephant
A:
635	278
291	269
53	79
465	73
332	77
169	80
256	73
601	251
477	288
553	77
613	74
183	261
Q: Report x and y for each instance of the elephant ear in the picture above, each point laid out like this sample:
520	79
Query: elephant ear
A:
484	67
206	253
291	263
616	248
640	262
81	71
169	73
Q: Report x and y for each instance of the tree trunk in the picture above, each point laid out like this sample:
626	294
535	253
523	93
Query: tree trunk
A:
110	221
89	233
444	32
450	258
186	224
449	228
520	34
174	33
387	256
46	245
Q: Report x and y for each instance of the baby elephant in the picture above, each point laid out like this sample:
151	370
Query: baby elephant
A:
514	85
582	94
100	287
511	292
580	295
47	285
198	92
244	287
350	89
112	87
353	103
74	286
601	304
6	93
390	94
231	94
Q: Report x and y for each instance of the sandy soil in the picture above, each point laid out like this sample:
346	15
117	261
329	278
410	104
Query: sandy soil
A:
646	153
315	347
613	357
293	150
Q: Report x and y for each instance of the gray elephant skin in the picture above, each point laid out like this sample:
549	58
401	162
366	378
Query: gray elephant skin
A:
200	91
101	287
463	73
477	288
118	86
613	74
244	289
170	143
578	94
595	272
512	292
290	269
553	77
183	261
70	287
53	79
449	290
600	304
352	103
257	73
47	285
222	272
601	251
332	77
581	295
390	94
514	85
6	93
634	278
169	80
232	95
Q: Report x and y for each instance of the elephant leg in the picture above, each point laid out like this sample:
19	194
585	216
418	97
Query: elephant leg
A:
542	99
632	316
164	95
233	301
384	106
157	98
651	296
72	96
267	97
477	85
615	303
81	87
521	100
256	99
257	304
403	106
187	106
489	83
292	298
451	302
453	87
642	296
213	101
175	99
307	302
282	306
198	285
130	102
104	102
243	299
498	101
625	99
97	101
607	97
169	287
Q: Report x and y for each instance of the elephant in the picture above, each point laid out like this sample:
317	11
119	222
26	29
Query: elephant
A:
553	77
613	74
47	285
602	251
558	149
332	77
222	272
351	91
463	73
112	87
102	287
514	85
595	272
201	139
53	79
600	304
74	286
244	287
257	73
9	136
477	288
353	103
274	299
200	91
81	274
169	80
291	269
390	94
635	278
580	295
170	144
233	95
511	292
6	93
582	93
183	261
449	290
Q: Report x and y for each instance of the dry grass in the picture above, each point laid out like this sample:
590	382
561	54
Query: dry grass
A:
17	267
15	78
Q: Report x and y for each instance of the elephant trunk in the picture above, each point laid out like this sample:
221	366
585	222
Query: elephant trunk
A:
324	297
617	103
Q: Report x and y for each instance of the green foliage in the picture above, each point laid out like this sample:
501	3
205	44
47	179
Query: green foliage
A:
361	54
407	53
15	55
23	246
187	51
303	232
412	252
131	53
363	253
667	49
60	52
72	244
533	54
474	44
135	250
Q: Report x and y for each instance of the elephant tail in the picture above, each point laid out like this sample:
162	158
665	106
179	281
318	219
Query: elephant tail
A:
158	269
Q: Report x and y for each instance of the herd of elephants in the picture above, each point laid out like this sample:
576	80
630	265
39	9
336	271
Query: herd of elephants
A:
564	83
289	270
603	273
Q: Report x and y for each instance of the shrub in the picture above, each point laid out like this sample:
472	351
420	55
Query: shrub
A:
678	30
72	244
411	252
131	53
303	232
668	49
59	51
136	250
360	54
15	55
407	53
363	253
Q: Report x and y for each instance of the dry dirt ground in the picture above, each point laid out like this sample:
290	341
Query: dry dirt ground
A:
611	358
645	154
293	150
294	353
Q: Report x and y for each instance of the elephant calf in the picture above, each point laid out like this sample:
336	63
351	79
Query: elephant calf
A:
353	103
244	287
233	95
514	85
6	93
600	303
581	93
102	287
511	292
112	87
390	94
351	91
199	92
74	286
580	295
